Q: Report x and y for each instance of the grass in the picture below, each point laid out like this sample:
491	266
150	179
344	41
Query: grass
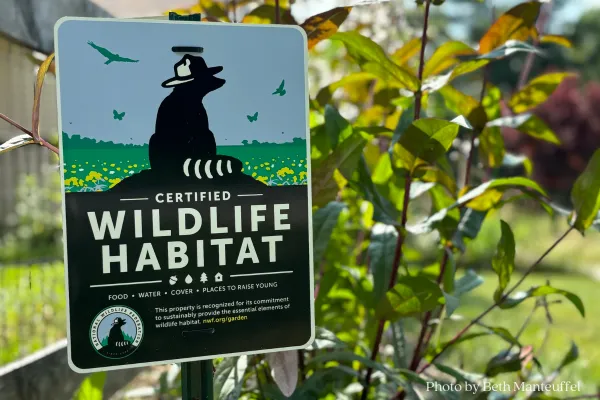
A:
32	308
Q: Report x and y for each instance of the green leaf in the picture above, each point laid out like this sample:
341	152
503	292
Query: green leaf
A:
452	303
409	297
425	139
502	363
325	95
265	14
469	281
436	82
459	375
502	184
404	122
401	352
336	126
16	142
444	57
381	251
585	194
538	129
325	339
491	101
372	58
504	334
321	26
324	221
570	357
229	377
449	272
537	91
539	291
503	262
468	227
92	387
463	104
491	146
344	159
407	51
383	210
518	23
349	357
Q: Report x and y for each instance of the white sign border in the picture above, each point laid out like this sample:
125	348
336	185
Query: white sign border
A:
62	184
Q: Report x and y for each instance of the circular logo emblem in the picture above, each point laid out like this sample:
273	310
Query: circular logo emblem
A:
116	332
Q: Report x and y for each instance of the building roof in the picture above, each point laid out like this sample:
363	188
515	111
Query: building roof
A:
31	22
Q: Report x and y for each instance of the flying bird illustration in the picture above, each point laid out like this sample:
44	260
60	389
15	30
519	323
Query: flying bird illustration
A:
117	115
110	56
280	90
252	118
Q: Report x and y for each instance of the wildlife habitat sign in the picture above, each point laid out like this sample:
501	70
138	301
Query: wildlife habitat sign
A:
186	180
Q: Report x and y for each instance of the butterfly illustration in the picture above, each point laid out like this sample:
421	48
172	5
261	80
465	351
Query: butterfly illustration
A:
280	90
117	115
252	118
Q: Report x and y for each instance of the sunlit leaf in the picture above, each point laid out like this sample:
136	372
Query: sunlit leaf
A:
321	26
410	49
444	57
436	82
517	298
425	139
16	142
325	95
537	91
92	387
265	14
491	146
372	58
469	226
463	104
37	96
518	23
556	39
536	128
491	101
503	262
585	194
410	296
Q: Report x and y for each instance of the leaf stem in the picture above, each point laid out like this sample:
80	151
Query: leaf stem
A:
277	13
493	306
38	140
541	25
423	338
406	201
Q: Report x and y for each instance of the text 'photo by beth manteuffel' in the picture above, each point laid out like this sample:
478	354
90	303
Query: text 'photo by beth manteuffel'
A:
186	178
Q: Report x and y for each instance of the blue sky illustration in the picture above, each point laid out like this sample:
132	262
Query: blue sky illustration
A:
105	325
255	60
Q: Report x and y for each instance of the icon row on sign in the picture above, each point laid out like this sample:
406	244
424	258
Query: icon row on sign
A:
203	278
